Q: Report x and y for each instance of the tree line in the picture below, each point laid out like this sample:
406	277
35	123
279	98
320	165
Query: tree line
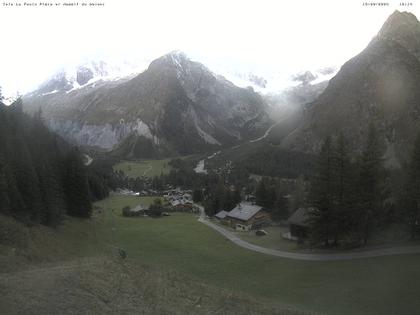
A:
351	195
42	178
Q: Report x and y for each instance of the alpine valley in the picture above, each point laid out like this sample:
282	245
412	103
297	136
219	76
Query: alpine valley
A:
179	107
169	189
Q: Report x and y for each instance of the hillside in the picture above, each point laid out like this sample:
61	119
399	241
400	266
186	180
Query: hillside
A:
67	271
177	106
41	176
379	86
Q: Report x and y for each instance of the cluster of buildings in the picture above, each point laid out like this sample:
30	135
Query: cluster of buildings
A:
245	216
248	216
179	198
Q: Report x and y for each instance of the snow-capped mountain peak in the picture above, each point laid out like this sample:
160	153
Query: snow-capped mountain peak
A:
87	73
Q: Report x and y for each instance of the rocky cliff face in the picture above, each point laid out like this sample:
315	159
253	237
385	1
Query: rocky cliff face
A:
381	85
176	106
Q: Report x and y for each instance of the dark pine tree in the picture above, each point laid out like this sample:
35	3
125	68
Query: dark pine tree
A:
261	194
5	205
412	192
76	186
281	208
344	190
322	195
370	186
197	195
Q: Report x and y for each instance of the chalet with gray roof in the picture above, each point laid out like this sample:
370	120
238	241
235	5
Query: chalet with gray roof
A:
246	216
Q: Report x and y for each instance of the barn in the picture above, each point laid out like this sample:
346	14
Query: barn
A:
298	223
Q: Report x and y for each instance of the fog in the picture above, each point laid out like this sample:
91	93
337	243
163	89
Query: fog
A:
274	39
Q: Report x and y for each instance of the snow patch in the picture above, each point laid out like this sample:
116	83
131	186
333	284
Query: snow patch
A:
49	93
201	167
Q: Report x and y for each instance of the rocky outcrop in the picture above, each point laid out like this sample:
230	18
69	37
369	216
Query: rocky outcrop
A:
84	75
106	136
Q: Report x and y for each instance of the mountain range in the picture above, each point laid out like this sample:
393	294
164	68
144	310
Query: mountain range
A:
177	106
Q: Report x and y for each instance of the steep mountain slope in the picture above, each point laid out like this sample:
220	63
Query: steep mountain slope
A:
287	107
381	85
176	106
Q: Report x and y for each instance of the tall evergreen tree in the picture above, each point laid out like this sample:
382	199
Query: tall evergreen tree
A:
281	208
197	195
322	195
261	194
412	191
27	180
370	185
299	194
76	186
344	184
236	197
5	206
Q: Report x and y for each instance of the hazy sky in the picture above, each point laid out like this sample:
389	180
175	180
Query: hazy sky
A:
261	36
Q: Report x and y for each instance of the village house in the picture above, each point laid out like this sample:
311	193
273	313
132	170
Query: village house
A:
221	215
245	217
298	224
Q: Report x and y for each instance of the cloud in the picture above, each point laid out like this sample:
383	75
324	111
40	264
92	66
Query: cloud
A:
266	37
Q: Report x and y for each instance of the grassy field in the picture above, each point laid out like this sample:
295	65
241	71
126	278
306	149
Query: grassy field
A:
69	270
117	202
272	240
148	168
370	286
22	246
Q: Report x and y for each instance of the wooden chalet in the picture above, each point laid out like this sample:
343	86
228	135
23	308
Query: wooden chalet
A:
245	217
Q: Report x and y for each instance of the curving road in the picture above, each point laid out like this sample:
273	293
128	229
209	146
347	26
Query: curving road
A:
309	257
265	135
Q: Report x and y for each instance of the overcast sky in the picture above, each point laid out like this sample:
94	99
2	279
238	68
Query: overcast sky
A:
260	36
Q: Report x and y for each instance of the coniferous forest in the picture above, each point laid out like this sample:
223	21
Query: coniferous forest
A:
42	178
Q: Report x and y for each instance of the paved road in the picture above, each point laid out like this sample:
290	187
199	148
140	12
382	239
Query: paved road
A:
310	257
265	135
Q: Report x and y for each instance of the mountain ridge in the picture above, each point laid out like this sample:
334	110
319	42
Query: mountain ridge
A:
380	85
176	105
